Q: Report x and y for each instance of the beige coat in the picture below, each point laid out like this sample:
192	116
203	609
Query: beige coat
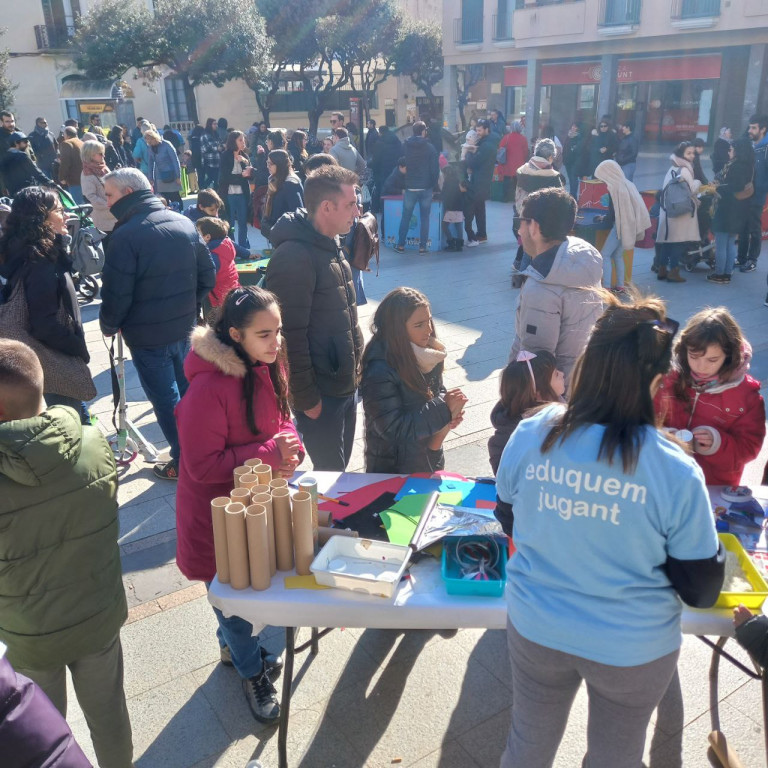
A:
682	229
93	191
71	165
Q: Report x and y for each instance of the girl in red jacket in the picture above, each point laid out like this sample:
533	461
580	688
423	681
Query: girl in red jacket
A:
710	394
235	408
215	234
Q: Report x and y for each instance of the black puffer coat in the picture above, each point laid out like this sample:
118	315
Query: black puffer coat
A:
156	273
505	425
730	213
313	282
398	420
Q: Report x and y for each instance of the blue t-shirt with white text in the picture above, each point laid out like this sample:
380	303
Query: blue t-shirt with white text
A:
588	575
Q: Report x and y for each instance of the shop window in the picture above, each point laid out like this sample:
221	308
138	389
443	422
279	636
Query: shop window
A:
176	96
587	94
680	110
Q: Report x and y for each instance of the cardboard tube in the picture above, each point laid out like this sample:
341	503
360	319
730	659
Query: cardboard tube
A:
266	500
264	473
258	546
218	505
281	510
309	484
261	488
303	545
248	481
243	495
238	471
237	546
253	463
324	533
278	482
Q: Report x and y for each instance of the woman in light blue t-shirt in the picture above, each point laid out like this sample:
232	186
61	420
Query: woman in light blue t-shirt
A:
613	526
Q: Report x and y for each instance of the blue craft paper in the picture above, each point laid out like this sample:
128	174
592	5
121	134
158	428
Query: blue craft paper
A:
471	491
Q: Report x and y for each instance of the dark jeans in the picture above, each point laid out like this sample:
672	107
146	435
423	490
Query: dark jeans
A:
410	198
209	177
476	212
78	405
751	235
161	373
238	210
510	187
671	253
329	438
237	635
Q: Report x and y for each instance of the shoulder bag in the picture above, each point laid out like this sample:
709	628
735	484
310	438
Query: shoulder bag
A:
65	375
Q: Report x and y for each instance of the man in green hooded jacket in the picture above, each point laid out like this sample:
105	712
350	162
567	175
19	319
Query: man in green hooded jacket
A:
62	600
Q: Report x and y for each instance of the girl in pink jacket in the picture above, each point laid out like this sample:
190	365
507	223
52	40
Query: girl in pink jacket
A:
236	408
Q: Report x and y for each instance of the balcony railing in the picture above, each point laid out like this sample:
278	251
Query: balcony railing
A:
468	29
694	9
502	26
52	37
616	13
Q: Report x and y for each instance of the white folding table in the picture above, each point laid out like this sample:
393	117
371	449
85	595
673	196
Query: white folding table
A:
420	602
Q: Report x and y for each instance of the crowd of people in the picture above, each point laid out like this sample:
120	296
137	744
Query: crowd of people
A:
237	372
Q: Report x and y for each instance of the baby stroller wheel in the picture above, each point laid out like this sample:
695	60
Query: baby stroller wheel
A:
88	287
689	267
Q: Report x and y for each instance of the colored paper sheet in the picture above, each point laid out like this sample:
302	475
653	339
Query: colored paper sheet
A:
483	504
471	492
402	522
303	582
361	497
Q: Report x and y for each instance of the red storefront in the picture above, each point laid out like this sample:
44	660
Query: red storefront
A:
672	97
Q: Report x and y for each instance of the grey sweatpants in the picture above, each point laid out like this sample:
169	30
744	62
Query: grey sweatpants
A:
98	684
544	684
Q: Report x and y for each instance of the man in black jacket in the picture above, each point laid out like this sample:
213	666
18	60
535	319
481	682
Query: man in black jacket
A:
44	145
382	161
626	155
17	170
156	273
421	176
313	282
480	163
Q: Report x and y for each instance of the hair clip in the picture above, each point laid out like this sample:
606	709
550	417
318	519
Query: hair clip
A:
240	299
524	356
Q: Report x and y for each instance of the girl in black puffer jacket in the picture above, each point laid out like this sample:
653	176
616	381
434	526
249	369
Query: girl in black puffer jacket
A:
408	412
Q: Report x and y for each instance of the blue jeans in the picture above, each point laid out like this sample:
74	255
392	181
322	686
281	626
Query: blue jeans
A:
725	253
238	210
78	405
161	373
629	170
455	229
410	198
613	254
77	193
237	635
329	438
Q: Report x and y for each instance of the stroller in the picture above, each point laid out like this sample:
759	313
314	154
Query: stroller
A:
704	250
86	247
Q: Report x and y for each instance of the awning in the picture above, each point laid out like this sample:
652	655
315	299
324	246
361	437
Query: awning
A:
76	89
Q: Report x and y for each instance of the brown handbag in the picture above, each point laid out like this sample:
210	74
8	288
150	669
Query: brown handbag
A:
748	191
65	375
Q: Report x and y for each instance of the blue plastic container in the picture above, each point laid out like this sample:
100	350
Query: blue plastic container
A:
455	584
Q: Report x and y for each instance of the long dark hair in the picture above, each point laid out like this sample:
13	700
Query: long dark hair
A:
630	345
743	152
26	232
116	135
517	390
389	329
679	150
710	326
240	305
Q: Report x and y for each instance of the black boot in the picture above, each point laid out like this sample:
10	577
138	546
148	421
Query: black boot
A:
451	245
459	244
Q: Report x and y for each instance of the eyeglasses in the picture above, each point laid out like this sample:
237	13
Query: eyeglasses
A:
518	220
603	125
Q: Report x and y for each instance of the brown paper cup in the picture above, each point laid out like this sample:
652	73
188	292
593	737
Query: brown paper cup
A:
278	482
264	473
325	533
253	463
303	544
243	495
218	505
281	511
238	471
237	546
266	500
258	546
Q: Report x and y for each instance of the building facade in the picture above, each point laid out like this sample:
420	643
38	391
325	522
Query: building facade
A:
50	85
675	69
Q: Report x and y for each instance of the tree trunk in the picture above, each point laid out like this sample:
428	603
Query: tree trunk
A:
263	105
191	99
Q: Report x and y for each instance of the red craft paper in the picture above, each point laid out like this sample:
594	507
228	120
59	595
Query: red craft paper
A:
484	504
362	497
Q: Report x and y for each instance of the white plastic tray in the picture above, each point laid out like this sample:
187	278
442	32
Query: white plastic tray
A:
361	565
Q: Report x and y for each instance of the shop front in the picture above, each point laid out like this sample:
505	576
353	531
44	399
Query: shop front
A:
111	100
668	99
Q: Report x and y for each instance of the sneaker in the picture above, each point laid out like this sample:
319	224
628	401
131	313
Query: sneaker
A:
262	698
400	248
472	243
750	266
422	250
619	290
168	471
482	240
715	278
272	662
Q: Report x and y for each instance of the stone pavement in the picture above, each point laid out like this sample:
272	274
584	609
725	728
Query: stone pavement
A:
373	696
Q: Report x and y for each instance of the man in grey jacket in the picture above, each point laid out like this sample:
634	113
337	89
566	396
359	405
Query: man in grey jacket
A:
560	299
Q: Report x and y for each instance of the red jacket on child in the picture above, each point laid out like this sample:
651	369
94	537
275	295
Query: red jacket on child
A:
226	276
214	438
733	412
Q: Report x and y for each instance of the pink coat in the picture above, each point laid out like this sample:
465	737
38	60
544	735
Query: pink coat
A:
227	277
214	439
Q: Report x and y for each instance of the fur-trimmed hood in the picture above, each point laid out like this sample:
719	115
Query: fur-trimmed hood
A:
208	353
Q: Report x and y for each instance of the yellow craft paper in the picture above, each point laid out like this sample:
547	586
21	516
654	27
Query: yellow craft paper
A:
303	582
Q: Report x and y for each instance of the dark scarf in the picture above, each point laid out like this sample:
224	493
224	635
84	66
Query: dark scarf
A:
125	205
